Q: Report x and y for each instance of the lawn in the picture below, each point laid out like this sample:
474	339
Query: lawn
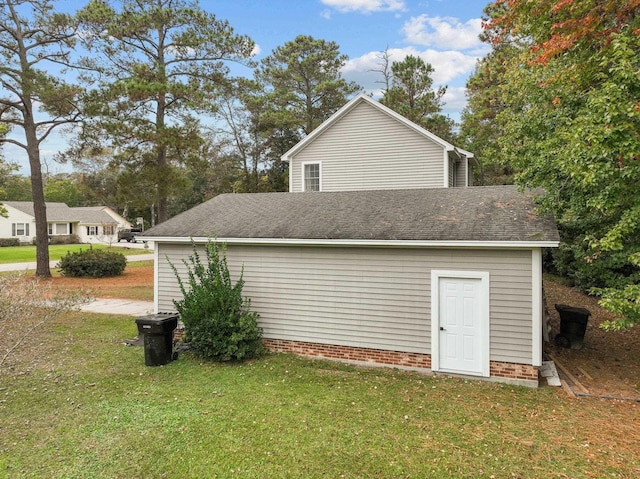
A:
23	254
77	403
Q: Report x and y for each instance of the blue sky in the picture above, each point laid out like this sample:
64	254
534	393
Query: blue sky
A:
442	32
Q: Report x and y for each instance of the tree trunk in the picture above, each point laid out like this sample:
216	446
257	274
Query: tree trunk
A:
163	201
39	207
33	151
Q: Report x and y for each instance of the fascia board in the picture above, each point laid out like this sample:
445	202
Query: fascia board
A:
364	243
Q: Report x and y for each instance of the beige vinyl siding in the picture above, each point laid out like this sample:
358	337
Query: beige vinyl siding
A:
367	149
367	297
452	172
461	172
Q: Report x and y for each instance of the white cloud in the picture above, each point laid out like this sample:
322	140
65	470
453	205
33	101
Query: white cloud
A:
443	32
256	50
365	6
455	99
451	68
447	65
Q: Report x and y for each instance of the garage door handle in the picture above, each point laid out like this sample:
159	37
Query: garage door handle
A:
442	329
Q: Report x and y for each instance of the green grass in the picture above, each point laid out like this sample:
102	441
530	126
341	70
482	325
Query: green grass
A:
23	254
91	409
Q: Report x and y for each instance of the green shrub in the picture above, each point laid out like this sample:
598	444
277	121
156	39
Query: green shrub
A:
94	263
218	323
9	242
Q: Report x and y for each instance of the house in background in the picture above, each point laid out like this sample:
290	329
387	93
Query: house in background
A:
91	224
375	256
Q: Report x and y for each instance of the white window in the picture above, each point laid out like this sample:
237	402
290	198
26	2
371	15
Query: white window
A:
20	229
58	228
311	177
109	229
92	230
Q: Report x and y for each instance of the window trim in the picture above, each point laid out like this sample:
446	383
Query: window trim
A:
303	167
25	229
53	230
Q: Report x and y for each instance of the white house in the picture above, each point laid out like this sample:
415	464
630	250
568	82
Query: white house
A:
93	224
376	257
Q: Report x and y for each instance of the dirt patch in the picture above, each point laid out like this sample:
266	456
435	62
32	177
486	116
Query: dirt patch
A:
135	283
609	363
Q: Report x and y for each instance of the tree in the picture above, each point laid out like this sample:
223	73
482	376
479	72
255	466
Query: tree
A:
16	187
411	94
479	130
570	124
5	170
243	110
162	61
304	85
34	42
63	188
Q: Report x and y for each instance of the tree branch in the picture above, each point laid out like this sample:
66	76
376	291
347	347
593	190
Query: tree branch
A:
13	142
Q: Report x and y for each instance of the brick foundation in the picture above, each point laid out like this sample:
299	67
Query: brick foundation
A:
350	353
523	372
506	371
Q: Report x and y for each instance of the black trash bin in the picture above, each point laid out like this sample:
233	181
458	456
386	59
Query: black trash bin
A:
573	326
157	330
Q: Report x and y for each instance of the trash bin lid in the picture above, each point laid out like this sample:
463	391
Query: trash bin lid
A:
157	323
564	308
156	318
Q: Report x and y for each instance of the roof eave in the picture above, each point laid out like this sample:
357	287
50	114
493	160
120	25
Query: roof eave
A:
358	242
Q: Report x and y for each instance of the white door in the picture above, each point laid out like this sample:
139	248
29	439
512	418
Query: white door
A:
462	325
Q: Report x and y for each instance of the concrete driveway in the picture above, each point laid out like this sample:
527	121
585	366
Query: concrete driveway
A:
119	306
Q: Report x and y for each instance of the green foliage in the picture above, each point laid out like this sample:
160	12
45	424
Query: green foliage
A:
305	84
569	122
412	95
92	263
4	242
219	324
63	189
479	130
16	188
625	302
5	170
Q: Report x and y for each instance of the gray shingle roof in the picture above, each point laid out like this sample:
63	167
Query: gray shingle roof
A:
444	214
62	212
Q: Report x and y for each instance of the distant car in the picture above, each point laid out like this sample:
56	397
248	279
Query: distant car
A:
128	234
